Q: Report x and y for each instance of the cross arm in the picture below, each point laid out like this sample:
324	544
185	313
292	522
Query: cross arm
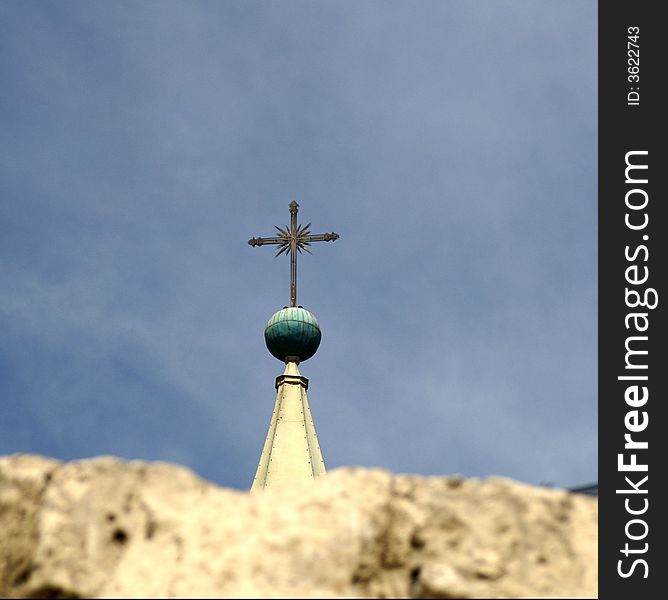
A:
258	241
322	237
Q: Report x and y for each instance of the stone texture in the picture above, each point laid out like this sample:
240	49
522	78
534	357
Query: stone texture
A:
109	528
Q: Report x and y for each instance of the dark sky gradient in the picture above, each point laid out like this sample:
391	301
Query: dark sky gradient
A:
452	145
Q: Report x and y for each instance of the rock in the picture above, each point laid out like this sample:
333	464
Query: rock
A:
105	527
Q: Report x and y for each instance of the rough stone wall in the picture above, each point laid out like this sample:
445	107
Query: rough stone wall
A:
104	527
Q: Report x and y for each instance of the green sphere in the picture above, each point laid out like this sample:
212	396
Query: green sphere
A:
292	332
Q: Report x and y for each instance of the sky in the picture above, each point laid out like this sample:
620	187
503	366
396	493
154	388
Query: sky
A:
451	145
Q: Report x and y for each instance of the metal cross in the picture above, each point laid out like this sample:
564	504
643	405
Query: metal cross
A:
291	240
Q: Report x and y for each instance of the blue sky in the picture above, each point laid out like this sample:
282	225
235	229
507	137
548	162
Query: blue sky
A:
452	145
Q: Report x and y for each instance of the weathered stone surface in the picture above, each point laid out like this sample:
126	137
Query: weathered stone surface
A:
104	527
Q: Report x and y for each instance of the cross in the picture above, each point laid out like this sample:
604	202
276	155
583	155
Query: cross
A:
291	240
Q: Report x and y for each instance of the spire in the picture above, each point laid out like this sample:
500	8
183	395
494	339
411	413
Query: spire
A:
291	451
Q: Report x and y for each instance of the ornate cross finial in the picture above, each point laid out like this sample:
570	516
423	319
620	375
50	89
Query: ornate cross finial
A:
291	240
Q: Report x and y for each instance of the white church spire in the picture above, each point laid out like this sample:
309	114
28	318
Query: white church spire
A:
291	451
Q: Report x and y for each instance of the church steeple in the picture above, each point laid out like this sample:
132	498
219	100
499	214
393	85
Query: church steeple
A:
291	451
